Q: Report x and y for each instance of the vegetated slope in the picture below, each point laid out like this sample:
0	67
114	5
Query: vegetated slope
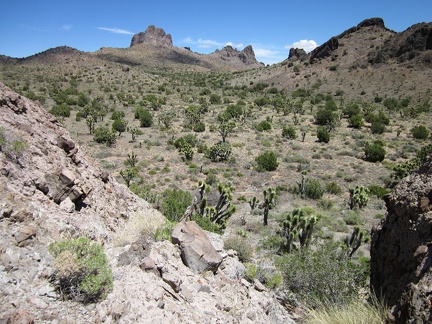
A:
51	191
365	61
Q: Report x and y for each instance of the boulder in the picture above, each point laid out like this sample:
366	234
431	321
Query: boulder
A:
401	249
196	250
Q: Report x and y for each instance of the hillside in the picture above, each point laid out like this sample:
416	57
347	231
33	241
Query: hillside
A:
163	120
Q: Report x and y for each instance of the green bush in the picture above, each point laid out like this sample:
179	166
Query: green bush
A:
102	134
323	134
81	270
267	161
174	203
356	121
61	110
375	152
377	127
199	127
325	117
420	132
219	152
263	126
145	117
289	132
163	232
313	189
333	188
324	273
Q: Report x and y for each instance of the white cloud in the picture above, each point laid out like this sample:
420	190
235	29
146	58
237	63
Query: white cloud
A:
67	27
307	45
116	30
268	56
208	43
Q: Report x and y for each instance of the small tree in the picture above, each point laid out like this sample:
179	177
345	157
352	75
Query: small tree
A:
119	125
145	118
226	128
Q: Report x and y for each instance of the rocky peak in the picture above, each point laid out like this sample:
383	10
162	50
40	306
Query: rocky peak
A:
246	56
297	54
152	35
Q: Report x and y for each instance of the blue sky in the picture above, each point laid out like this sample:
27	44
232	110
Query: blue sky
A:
271	27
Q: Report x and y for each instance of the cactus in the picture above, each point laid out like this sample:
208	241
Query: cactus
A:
302	183
222	210
359	195
358	237
219	152
127	175
253	203
298	224
132	159
269	202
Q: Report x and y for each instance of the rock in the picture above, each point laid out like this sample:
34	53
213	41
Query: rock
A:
259	286
24	235
196	250
325	49
246	56
21	316
67	205
401	249
152	35
297	54
147	264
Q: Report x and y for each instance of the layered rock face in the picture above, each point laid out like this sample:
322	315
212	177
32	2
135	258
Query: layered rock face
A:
297	54
401	249
152	35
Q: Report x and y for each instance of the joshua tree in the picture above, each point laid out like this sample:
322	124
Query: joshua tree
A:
253	203
269	202
359	195
358	237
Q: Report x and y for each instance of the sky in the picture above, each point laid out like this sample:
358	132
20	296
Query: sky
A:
272	27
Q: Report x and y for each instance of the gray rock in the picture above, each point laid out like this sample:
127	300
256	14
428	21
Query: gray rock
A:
196	250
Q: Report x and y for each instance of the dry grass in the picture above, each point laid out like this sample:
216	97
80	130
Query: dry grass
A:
138	225
357	312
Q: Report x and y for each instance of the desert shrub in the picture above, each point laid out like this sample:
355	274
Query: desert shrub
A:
375	152
199	127
326	204
119	125
391	103
117	115
378	191
164	231
352	110
323	134
324	273
145	118
174	203
356	121
352	217
420	132
325	117
289	132
263	126
264	272
333	188
81	270
102	134
267	161
241	245
313	189
219	152
61	110
215	99
377	127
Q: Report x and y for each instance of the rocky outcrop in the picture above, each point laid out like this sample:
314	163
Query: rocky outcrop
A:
407	45
297	54
246	56
152	35
325	49
401	249
196	250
